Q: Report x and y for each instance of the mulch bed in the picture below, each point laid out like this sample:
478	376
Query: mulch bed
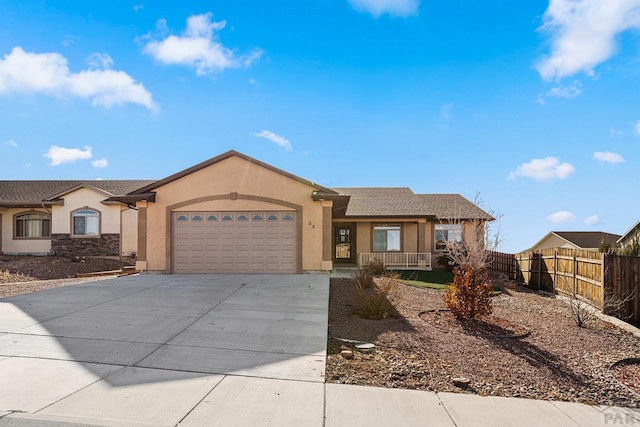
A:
26	274
529	347
54	267
628	373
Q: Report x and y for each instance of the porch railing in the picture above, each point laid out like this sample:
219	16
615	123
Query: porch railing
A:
397	259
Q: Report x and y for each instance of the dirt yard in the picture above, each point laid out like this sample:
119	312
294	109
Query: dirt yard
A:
530	347
25	274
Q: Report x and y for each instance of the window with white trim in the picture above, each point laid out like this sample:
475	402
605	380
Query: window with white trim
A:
444	233
32	225
386	238
85	223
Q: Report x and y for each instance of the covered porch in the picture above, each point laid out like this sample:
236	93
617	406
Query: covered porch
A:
397	260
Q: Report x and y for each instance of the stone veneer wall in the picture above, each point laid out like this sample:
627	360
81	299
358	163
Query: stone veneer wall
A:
106	244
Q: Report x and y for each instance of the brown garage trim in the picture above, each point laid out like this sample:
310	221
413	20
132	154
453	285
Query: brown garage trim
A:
229	196
142	234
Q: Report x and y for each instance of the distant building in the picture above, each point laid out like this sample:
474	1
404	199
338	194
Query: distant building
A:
585	240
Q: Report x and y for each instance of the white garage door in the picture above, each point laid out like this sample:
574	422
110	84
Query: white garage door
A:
235	242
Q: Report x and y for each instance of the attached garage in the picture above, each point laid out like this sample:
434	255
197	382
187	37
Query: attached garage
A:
235	242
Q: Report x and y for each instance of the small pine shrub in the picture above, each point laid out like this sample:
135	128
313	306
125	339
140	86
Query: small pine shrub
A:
375	267
470	294
375	302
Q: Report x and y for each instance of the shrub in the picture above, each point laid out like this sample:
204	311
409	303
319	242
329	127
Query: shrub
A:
375	302
470	294
363	279
8	277
375	267
446	262
632	248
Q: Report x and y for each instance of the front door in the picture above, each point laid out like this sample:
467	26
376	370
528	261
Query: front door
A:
344	244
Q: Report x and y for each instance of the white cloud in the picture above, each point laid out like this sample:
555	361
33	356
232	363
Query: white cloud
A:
60	155
565	92
138	7
592	220
100	163
583	34
561	216
546	169
391	7
275	138
446	111
48	73
608	157
11	143
100	61
198	47
615	132
636	128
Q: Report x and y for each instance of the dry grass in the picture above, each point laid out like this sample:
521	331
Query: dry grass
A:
7	277
375	301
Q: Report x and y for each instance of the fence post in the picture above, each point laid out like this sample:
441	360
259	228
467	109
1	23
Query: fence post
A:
603	278
555	269
574	271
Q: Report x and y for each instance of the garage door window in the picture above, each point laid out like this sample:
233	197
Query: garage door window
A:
287	217
182	218
212	217
243	217
272	217
197	218
227	218
257	217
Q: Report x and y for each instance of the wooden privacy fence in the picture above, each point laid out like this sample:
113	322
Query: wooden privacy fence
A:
609	282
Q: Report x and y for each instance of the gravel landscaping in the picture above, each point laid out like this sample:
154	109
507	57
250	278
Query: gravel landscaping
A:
529	347
26	274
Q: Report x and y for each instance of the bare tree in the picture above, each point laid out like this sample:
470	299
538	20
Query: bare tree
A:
469	296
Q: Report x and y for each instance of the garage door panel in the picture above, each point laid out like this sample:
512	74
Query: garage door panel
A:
235	242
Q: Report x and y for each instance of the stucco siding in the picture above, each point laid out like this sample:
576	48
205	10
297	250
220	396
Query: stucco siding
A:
85	197
233	184
553	241
129	236
10	245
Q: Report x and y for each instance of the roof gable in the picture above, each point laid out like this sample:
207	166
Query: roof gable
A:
217	159
403	202
37	192
631	232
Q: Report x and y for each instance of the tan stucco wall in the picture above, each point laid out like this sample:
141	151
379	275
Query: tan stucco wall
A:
129	236
232	175
110	214
553	241
20	246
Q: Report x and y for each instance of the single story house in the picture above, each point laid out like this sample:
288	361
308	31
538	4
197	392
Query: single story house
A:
632	233
584	240
236	214
67	218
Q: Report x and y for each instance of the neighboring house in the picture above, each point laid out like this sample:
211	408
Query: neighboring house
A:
233	213
585	240
632	233
67	218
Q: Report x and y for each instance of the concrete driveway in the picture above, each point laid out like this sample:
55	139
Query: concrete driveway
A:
166	349
214	351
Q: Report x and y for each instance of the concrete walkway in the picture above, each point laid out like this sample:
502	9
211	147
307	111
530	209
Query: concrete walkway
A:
213	350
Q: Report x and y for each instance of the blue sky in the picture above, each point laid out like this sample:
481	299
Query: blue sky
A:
535	105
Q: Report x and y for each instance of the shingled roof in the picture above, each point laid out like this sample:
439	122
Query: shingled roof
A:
403	202
588	239
36	192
